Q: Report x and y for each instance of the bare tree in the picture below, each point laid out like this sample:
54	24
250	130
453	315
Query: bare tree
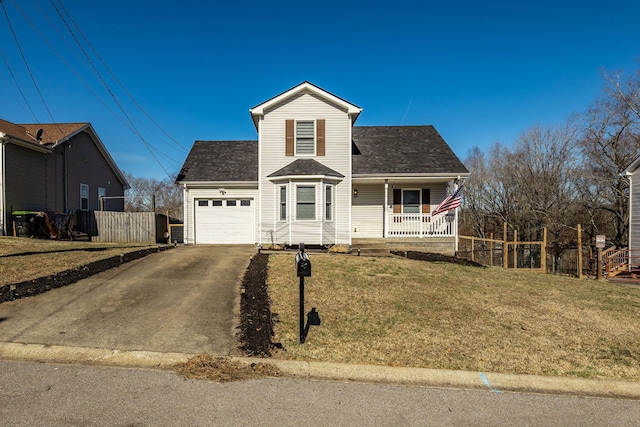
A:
610	142
528	186
150	194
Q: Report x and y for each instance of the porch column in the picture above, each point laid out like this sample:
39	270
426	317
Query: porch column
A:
385	221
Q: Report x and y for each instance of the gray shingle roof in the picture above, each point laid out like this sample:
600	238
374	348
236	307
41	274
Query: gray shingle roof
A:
221	161
305	167
402	150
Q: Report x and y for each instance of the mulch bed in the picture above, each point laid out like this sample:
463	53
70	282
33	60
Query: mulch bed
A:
433	257
256	324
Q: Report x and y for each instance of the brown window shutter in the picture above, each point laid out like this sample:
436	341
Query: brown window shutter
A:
290	129
426	202
320	150
397	203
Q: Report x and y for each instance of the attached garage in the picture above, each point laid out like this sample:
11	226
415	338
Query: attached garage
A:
224	221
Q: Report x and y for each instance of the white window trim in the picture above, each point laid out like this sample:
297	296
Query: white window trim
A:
332	202
286	206
315	138
84	195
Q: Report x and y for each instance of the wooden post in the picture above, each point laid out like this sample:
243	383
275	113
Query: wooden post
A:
473	244
515	249
543	251
491	250
599	265
168	227
579	251
505	247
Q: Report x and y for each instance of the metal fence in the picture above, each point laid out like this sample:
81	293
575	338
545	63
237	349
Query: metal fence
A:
576	260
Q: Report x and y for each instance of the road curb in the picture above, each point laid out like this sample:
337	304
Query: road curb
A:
492	382
90	356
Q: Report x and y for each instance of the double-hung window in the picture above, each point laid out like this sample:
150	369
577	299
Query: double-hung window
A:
306	202
283	203
305	137
328	203
84	197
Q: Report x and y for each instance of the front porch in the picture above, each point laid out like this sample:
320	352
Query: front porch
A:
401	225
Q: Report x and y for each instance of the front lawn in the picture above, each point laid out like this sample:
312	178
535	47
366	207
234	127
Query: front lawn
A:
402	312
23	259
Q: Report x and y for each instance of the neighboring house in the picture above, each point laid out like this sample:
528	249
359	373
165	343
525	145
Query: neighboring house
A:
632	173
59	167
314	177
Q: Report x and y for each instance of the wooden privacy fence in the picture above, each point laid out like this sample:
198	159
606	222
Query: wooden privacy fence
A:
130	227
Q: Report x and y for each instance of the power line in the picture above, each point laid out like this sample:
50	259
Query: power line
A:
116	79
108	89
15	81
24	59
64	61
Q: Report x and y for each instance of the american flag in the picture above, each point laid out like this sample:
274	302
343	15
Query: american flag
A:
450	203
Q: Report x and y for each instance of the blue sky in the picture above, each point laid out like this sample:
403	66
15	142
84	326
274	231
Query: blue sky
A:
480	72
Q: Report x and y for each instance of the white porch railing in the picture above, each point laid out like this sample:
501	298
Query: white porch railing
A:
420	225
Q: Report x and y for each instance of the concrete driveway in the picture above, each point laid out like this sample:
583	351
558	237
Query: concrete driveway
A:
184	300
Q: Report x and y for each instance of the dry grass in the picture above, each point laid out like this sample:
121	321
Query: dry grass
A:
401	312
24	259
206	367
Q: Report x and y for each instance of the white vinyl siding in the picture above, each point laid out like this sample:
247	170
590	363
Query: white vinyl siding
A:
368	211
271	133
305	137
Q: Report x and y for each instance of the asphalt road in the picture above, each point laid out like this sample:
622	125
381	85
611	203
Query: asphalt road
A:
182	300
66	395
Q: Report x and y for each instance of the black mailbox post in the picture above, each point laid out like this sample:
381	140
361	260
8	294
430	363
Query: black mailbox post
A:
303	269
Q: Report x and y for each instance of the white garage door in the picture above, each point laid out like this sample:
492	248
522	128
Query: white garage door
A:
224	221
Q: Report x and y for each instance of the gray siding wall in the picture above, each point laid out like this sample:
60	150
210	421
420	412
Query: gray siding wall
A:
86	165
26	179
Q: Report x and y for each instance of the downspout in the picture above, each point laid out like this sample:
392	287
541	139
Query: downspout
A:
323	195
65	181
3	231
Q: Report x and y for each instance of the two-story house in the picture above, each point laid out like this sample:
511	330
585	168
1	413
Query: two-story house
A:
314	177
